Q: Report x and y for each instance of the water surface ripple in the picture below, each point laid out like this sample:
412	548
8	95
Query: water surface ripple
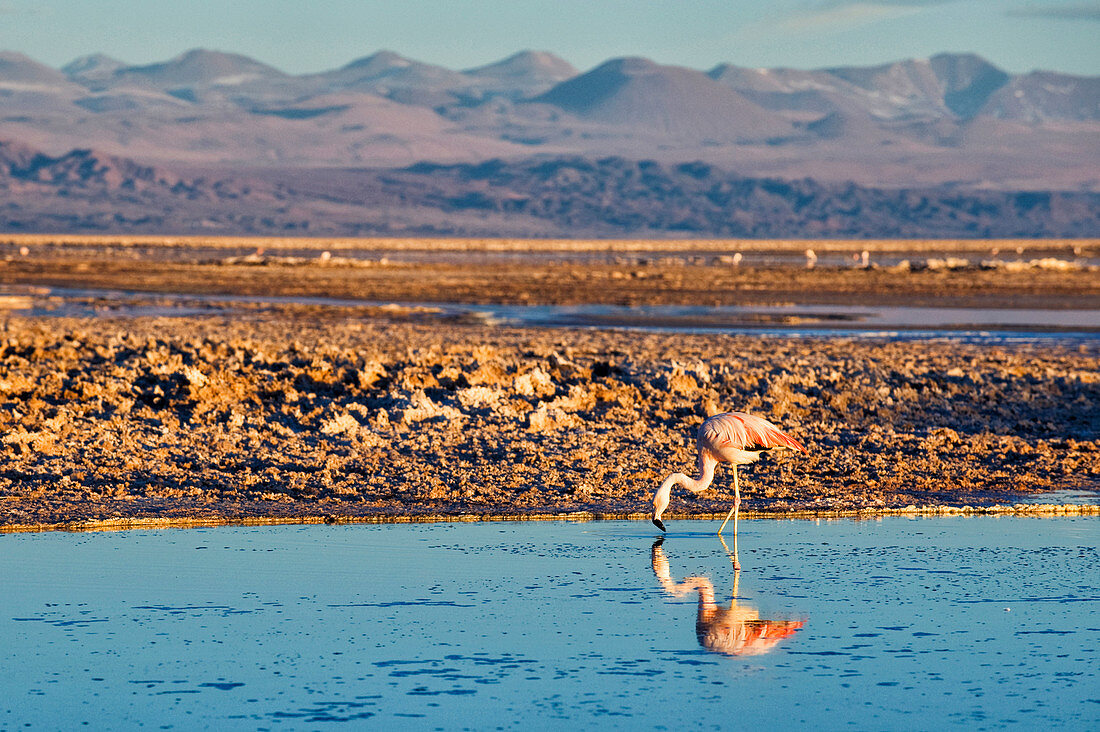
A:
899	623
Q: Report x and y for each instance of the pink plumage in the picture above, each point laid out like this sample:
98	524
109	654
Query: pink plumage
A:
743	432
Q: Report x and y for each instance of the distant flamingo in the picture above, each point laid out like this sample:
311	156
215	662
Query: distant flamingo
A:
732	437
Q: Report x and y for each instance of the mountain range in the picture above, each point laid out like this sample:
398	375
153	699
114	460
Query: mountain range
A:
218	142
89	191
952	119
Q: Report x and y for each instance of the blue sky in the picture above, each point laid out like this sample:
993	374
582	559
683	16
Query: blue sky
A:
298	36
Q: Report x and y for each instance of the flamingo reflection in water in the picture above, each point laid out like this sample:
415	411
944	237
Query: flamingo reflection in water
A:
736	630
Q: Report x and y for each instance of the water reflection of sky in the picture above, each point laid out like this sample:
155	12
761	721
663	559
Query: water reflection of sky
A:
910	623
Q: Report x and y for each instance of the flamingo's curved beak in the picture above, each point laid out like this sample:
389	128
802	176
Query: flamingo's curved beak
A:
660	502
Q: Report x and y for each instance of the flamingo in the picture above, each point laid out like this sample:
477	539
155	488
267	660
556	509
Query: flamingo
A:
731	437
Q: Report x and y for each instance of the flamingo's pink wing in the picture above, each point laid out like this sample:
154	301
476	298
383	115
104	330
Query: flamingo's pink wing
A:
763	635
753	637
745	431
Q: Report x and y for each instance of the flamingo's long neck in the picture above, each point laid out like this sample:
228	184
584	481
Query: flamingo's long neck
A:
702	480
704	474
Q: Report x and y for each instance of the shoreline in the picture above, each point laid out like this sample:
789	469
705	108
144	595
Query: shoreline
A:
518	244
1038	510
675	281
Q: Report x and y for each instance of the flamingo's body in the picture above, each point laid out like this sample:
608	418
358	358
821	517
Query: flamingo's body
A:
731	437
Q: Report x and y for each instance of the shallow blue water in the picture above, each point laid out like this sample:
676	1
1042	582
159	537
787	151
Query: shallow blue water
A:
971	623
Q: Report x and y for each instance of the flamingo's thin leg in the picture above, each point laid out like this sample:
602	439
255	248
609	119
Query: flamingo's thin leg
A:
727	519
736	509
733	559
736	504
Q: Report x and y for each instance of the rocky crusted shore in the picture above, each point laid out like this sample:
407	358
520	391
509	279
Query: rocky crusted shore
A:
294	412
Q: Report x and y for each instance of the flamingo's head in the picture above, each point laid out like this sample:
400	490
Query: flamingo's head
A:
660	502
